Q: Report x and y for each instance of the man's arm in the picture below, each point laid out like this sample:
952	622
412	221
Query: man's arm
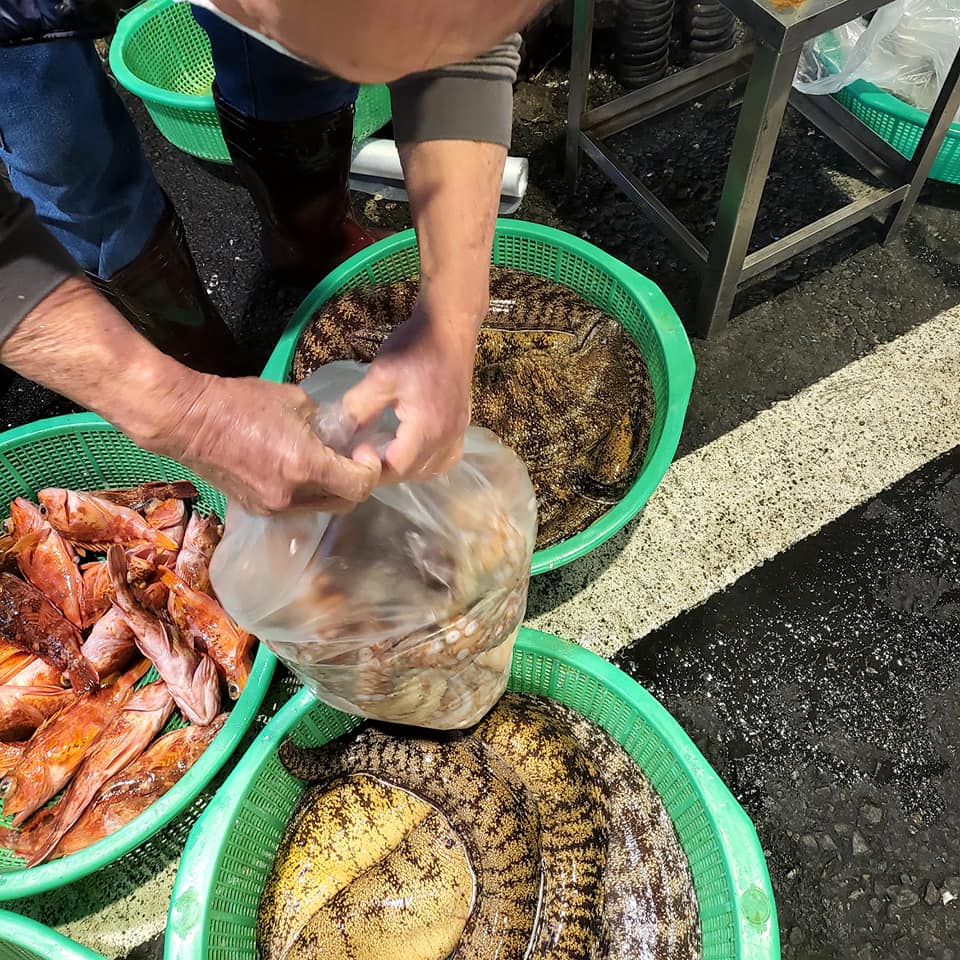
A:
251	438
453	128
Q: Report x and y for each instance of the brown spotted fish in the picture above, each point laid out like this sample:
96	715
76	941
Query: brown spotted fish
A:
365	870
573	823
487	807
556	378
650	905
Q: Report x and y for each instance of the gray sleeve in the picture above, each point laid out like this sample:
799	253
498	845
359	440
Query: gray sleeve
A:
465	101
32	262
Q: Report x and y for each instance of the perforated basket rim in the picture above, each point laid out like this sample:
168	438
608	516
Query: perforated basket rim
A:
45	943
149	92
666	325
744	866
59	873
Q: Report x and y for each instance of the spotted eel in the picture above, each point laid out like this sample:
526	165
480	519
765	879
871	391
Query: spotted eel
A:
486	805
573	819
556	378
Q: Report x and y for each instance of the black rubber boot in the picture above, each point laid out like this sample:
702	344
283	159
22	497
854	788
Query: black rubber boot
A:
298	174
161	294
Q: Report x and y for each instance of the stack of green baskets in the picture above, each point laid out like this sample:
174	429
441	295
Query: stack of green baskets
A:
162	55
636	302
83	452
230	850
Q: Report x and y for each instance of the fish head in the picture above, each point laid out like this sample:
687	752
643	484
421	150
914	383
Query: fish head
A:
54	504
25	517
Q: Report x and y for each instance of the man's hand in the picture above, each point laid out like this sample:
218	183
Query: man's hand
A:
425	369
254	440
424	372
250	438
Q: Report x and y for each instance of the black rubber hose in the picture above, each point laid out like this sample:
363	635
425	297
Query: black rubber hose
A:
643	40
709	28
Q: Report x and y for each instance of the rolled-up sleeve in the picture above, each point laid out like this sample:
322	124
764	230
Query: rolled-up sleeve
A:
32	262
465	101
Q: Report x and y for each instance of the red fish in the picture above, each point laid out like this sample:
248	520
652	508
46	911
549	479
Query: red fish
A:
201	617
25	708
31	622
47	560
10	754
12	660
190	675
97	591
138	498
147	779
57	749
111	644
125	738
193	562
28	839
37	673
93	522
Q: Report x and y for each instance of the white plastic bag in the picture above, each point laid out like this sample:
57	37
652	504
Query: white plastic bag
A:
406	609
906	49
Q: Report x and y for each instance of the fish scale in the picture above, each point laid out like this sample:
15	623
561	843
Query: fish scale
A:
489	809
556	378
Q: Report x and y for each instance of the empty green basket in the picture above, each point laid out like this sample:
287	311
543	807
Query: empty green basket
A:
162	55
636	302
230	850
84	452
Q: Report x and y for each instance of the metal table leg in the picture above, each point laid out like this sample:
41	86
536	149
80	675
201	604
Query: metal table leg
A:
579	80
758	128
942	115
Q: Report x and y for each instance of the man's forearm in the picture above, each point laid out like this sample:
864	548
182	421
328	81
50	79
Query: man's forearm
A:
75	343
454	190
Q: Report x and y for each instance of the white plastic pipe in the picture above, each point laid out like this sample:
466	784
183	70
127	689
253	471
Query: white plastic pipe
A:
376	170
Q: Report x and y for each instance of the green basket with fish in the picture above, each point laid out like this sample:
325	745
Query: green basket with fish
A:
24	939
228	856
83	452
635	302
162	55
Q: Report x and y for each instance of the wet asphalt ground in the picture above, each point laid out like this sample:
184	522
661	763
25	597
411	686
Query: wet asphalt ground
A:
822	686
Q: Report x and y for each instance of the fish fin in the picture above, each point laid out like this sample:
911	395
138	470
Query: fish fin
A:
168	578
165	542
27	541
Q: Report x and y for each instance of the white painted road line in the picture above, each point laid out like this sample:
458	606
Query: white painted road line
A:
756	491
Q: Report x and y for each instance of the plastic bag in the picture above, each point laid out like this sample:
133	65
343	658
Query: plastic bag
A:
406	609
906	49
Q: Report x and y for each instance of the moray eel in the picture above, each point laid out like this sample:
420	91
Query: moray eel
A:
336	833
413	905
650	905
573	818
490	810
556	378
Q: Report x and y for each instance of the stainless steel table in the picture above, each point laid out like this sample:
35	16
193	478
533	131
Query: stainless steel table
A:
766	64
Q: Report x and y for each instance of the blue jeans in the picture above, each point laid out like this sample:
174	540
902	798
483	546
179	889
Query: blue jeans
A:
70	146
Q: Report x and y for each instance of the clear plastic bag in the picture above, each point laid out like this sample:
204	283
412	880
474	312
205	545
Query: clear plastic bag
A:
406	609
906	49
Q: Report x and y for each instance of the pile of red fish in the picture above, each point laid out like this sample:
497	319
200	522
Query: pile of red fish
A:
97	588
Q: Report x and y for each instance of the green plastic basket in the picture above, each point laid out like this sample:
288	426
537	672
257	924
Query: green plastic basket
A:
25	939
901	126
633	299
230	849
162	55
85	452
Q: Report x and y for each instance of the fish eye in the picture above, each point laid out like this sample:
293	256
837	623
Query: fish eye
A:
43	510
233	690
6	785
